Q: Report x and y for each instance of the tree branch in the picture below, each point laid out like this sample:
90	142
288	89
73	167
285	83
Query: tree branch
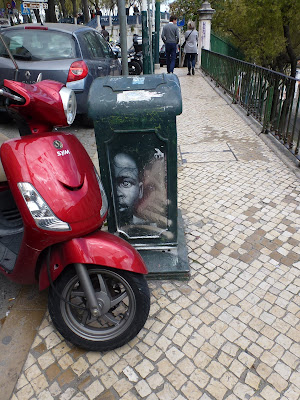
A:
236	35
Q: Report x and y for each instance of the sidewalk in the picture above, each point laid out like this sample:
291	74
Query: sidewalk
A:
232	331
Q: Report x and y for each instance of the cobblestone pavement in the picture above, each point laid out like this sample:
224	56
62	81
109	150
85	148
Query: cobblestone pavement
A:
231	331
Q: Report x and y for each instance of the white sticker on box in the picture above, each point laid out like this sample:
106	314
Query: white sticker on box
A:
138	81
137	95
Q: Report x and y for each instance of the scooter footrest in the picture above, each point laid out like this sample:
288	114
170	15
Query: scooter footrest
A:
10	218
7	258
9	249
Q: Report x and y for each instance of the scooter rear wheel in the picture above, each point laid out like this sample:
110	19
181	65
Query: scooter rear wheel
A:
124	300
134	68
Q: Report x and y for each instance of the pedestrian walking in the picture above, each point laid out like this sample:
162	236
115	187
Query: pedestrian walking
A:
104	33
190	47
170	37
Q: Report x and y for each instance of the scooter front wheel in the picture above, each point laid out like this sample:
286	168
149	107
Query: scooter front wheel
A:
124	301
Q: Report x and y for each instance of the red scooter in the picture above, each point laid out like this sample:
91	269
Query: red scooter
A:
52	206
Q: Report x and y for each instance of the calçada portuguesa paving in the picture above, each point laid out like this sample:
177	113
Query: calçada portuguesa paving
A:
232	331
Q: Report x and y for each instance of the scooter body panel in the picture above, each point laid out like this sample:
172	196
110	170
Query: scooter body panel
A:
97	248
66	182
61	171
24	271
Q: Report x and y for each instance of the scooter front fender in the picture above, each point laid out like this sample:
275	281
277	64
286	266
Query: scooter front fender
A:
98	248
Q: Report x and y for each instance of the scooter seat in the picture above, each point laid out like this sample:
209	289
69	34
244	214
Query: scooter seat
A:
3	178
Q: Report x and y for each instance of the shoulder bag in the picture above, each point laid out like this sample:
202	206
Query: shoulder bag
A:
184	43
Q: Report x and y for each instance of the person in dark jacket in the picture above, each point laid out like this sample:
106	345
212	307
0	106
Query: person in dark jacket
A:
104	33
170	37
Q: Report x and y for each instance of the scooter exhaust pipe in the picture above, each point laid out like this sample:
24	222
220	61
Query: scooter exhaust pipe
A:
85	281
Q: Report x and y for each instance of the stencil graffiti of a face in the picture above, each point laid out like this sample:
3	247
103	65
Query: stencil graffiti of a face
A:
128	188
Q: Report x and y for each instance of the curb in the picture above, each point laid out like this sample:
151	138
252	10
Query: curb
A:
17	335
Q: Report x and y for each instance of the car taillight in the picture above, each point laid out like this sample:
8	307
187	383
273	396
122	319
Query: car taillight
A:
77	71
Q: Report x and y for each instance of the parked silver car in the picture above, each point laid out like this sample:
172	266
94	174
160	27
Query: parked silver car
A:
4	23
72	54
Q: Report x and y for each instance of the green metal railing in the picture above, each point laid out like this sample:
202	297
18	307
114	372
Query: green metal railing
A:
223	46
271	98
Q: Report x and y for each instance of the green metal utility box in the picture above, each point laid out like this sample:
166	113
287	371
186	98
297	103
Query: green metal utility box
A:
135	127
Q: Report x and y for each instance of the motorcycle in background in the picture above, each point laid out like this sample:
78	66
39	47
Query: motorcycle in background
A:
135	62
135	59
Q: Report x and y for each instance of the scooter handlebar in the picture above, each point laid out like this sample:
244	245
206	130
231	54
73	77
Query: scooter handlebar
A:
11	96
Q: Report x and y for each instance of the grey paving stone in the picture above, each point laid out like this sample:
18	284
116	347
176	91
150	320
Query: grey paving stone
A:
232	331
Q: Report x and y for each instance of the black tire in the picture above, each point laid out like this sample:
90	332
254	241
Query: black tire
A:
121	321
84	120
5	118
134	68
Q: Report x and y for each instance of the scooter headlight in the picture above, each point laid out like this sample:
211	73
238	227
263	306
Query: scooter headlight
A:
104	206
39	209
69	103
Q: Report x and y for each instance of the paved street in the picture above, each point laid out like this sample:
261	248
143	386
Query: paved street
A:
232	331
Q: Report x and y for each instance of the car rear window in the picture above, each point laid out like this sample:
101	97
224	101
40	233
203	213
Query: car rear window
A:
38	44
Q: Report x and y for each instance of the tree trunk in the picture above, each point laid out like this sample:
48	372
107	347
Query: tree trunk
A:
86	12
63	8
50	13
75	11
290	87
37	15
290	51
275	100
